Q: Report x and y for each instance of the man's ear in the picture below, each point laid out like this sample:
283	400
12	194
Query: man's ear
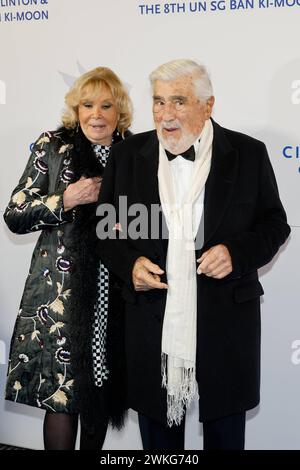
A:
209	106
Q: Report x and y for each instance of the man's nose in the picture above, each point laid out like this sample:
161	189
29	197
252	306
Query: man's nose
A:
169	112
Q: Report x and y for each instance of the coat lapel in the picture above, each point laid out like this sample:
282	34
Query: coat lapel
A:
147	167
220	183
147	185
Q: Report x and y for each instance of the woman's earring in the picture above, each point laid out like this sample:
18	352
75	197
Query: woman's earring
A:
77	127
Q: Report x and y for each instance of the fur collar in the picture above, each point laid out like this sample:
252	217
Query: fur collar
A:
108	402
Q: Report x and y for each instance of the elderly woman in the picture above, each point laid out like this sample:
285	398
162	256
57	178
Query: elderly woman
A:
62	360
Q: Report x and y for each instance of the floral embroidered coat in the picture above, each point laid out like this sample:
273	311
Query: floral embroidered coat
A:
40	372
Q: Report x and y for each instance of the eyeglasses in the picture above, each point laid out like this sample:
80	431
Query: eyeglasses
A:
179	104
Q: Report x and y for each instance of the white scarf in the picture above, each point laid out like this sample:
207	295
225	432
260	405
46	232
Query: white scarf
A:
178	359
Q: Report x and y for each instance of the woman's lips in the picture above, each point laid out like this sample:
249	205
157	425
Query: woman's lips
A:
98	126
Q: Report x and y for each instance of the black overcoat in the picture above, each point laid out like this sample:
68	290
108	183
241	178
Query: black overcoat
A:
242	210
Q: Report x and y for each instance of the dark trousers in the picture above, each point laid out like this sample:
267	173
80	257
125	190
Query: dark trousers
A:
221	434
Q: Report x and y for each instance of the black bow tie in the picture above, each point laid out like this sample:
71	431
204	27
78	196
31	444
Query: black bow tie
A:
189	154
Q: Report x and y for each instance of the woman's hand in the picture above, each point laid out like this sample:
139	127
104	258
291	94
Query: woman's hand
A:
84	191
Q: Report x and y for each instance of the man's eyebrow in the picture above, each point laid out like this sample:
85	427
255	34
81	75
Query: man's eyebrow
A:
179	97
173	97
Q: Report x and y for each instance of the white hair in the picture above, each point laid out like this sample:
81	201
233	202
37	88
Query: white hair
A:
180	68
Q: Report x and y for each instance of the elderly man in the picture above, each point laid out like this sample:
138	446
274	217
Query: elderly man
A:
192	326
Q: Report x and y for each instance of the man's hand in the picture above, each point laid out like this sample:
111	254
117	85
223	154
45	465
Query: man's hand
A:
146	275
84	191
215	262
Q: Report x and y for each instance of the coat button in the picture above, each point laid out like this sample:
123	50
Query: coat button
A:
60	249
44	253
46	272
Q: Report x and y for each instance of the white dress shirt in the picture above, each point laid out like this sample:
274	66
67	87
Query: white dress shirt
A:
182	173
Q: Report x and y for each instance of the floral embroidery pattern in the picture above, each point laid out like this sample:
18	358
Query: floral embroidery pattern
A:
47	321
28	197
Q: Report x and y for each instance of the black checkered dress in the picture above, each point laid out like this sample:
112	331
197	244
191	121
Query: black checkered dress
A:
101	307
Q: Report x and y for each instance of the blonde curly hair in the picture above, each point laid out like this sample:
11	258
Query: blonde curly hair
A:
90	83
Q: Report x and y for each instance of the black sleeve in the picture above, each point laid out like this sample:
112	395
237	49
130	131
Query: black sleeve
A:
253	249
